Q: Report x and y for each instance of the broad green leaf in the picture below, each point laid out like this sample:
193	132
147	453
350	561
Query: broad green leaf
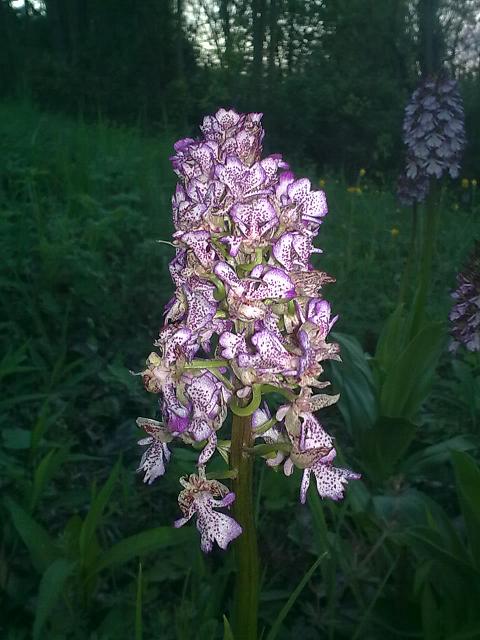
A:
435	454
470	632
49	592
94	515
384	445
467	477
408	379
293	598
142	543
427	541
353	379
392	339
42	548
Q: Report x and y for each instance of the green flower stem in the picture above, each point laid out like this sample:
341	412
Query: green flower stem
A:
206	364
245	603
255	402
426	260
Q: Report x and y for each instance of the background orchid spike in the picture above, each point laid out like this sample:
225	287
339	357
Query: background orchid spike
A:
465	314
434	134
247	318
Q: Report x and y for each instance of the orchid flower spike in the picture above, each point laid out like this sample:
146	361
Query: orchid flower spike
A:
247	318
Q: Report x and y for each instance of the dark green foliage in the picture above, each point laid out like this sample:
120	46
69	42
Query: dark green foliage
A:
83	283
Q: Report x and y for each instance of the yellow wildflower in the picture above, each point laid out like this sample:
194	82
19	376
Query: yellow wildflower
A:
474	183
354	190
394	232
455	206
322	182
465	183
362	172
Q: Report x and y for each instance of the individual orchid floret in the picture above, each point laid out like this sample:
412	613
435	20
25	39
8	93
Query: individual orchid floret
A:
202	497
465	314
154	458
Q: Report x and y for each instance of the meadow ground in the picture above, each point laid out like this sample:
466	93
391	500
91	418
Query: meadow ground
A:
83	284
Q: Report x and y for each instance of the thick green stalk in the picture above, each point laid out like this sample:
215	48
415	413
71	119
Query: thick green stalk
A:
245	605
426	260
411	259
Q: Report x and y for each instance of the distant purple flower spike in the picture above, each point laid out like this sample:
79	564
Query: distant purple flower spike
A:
434	134
465	314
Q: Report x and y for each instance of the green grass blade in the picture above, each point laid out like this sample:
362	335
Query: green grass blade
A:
49	592
142	543
138	606
95	512
44	472
227	629
293	598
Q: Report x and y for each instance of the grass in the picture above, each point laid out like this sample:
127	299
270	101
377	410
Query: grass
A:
83	284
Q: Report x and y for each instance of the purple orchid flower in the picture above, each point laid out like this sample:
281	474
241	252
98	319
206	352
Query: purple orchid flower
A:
247	312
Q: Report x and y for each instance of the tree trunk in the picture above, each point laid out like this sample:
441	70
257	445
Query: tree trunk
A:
258	30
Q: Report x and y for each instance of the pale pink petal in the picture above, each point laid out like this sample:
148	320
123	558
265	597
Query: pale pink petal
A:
305	484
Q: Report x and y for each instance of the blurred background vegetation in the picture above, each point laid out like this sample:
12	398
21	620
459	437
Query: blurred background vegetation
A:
93	94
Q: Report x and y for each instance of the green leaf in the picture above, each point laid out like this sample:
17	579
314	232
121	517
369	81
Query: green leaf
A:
16	438
384	445
227	629
94	516
431	615
353	378
141	544
42	548
50	591
467	477
293	598
408	379
392	339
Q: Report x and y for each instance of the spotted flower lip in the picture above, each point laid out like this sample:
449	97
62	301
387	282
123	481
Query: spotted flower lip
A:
330	480
248	315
